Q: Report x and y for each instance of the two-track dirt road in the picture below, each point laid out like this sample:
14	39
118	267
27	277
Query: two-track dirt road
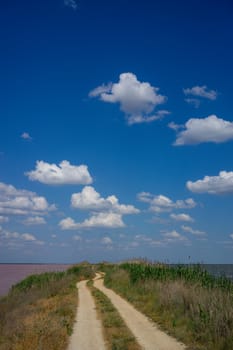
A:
146	332
87	333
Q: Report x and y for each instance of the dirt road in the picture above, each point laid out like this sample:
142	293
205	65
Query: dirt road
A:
146	332
87	332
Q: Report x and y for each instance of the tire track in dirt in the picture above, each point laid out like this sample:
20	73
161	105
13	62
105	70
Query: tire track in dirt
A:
146	332
87	331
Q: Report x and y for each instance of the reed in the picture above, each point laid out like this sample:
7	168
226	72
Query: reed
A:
185	301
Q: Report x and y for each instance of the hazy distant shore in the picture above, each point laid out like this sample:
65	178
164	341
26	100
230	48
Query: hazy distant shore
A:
11	273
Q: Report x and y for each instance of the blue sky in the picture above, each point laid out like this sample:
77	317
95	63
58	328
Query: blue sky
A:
116	131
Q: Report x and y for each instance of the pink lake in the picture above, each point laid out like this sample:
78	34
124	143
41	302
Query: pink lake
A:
11	274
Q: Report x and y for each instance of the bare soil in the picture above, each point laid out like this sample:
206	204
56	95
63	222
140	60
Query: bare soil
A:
87	333
148	335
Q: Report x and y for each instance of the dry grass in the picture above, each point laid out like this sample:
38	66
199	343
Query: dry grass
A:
201	318
116	333
39	312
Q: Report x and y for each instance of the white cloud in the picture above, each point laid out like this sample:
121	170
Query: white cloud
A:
10	238
77	238
157	243
26	136
106	241
146	119
192	231
109	220
34	220
209	129
160	203
175	126
102	89
143	239
137	99
89	199
28	237
21	202
173	236
182	217
3	219
231	236
221	184
9	235
71	3
106	212
39	242
64	173
193	101
201	91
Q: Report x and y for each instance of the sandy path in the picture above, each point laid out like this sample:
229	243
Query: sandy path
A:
87	332
146	332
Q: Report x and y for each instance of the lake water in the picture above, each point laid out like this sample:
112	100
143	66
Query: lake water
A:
220	270
12	273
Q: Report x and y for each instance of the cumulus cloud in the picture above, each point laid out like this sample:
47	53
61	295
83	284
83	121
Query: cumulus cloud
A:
21	202
175	126
62	174
26	136
14	238
146	119
105	212
201	91
3	219
182	217
143	238
231	236
90	199
209	129
192	231
77	238
166	238
71	3
137	100
160	203
173	236
221	184
193	101
34	220
28	237
109	220
106	241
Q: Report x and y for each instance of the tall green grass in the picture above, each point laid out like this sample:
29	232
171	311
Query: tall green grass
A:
191	274
185	301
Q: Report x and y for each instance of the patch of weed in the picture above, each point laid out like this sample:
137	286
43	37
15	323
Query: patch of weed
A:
39	312
116	333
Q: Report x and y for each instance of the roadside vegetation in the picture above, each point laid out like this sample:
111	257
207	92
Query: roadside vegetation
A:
39	312
116	333
187	302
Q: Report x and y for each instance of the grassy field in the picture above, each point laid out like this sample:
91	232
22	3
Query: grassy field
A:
185	301
38	313
116	333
